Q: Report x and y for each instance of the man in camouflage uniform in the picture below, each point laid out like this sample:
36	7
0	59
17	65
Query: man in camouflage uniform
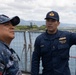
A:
8	57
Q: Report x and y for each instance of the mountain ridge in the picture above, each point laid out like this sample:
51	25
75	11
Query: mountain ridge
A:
40	23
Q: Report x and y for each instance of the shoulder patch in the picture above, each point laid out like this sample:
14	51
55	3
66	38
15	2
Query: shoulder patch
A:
2	67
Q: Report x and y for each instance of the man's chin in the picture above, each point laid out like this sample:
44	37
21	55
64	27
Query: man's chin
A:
12	37
51	30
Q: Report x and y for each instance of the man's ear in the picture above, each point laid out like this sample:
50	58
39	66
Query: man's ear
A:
58	23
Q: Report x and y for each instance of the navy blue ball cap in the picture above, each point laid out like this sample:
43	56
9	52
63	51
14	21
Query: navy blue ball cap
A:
15	20
52	15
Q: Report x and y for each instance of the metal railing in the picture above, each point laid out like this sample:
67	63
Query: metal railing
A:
23	44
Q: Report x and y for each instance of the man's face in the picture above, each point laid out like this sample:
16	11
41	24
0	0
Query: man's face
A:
51	25
7	31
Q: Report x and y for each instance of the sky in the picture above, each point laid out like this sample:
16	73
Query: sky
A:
37	9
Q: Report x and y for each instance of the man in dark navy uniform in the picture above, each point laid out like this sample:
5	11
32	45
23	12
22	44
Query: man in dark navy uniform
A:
8	57
52	47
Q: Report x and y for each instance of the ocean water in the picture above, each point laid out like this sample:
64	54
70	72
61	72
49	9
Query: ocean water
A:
21	44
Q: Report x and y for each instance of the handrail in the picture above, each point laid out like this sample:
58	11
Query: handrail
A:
72	56
28	45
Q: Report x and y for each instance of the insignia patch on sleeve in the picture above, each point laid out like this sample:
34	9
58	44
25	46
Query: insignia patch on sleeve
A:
2	67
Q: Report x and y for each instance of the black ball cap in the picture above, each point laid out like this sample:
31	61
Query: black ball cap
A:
15	20
52	15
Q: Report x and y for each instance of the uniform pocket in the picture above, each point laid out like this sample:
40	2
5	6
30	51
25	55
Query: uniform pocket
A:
63	51
44	49
63	46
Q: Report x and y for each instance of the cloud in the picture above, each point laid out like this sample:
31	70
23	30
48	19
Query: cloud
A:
37	9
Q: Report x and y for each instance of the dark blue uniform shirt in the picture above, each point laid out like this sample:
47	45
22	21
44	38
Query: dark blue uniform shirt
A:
54	53
8	61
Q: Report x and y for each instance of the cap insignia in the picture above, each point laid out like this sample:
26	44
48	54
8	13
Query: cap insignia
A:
51	14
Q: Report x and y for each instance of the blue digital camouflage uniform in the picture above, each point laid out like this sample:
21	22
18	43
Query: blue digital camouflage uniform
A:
8	61
54	52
